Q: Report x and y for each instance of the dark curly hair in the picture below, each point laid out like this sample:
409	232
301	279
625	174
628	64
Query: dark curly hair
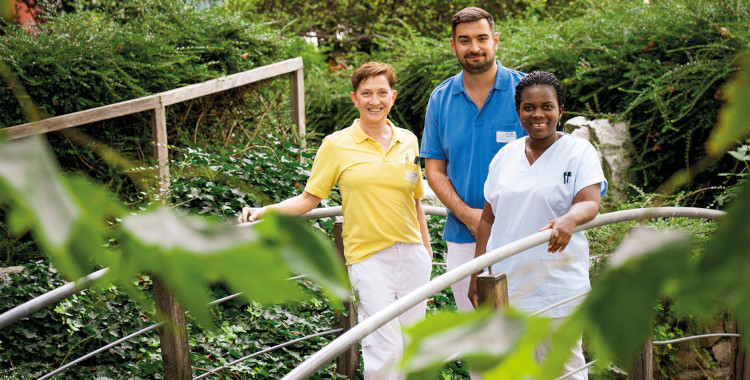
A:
540	78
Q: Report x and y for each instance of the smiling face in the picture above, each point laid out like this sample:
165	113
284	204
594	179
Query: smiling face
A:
374	98
539	111
474	45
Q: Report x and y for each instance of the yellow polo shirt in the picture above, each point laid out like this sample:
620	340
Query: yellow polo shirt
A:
377	188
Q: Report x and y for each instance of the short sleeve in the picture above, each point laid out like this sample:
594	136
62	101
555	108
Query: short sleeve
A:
325	171
590	171
491	183
431	145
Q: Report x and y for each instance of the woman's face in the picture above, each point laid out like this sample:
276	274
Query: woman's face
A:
374	98
539	111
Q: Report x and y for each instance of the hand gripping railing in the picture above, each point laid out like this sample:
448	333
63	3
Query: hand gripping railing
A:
355	334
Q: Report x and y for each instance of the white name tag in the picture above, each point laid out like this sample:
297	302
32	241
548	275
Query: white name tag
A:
505	137
410	176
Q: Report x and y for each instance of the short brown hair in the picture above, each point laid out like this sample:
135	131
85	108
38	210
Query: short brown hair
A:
373	69
470	14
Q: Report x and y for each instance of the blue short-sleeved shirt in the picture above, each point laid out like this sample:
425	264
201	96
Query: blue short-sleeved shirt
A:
467	138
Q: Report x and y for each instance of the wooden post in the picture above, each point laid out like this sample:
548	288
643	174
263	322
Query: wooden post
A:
175	350
492	290
161	154
296	82
347	363
742	360
643	364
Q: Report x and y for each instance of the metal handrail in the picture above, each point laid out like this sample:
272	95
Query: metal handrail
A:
355	334
54	296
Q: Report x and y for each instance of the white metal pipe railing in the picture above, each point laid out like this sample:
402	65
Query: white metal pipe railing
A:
52	297
355	334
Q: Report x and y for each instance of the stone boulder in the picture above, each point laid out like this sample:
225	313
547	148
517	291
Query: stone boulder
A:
612	142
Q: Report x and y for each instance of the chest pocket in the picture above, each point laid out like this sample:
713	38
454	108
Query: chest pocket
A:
504	133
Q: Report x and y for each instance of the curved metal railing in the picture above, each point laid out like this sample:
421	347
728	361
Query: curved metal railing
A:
375	321
317	360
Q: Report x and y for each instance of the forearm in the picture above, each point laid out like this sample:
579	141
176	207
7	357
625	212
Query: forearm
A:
437	177
297	205
582	212
423	229
485	227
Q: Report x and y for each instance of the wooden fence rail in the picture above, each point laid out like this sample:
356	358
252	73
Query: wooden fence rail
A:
174	343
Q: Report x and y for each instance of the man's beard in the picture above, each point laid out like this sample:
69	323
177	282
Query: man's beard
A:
479	67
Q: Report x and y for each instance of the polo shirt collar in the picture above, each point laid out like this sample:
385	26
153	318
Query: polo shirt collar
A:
501	80
359	135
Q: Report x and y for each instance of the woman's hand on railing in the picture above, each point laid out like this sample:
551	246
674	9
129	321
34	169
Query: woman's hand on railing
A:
250	214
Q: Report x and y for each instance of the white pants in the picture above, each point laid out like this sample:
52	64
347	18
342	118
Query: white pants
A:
379	281
459	254
576	355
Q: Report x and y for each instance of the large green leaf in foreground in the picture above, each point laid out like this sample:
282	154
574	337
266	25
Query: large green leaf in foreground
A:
73	221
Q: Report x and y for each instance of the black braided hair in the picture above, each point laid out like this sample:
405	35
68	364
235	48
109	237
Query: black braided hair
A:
540	78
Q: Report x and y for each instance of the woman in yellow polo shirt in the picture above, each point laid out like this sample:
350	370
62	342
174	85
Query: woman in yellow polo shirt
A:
386	243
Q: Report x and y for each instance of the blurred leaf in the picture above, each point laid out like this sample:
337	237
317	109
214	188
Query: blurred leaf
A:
733	122
724	269
189	253
500	345
619	310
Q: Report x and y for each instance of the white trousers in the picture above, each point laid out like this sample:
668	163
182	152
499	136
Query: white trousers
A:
576	355
379	281
459	254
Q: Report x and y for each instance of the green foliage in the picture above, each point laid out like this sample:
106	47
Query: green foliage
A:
56	335
97	316
118	51
345	26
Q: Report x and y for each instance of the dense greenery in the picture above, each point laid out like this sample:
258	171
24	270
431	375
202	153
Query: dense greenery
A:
619	60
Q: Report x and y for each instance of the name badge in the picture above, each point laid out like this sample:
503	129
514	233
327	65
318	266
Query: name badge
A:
410	176
505	137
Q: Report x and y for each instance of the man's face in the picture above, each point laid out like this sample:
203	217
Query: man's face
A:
474	46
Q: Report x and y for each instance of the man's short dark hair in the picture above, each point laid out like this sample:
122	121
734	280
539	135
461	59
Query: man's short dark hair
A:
470	14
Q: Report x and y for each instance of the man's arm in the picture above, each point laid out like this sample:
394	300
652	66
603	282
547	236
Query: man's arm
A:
437	176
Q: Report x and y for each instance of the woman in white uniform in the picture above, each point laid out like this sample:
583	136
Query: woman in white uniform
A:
548	180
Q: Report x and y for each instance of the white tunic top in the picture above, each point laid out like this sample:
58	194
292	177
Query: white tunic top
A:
526	197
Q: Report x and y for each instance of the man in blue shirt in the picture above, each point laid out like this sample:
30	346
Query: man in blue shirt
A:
469	118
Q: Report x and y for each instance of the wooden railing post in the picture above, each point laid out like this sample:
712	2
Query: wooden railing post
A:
161	153
742	360
347	363
175	350
297	84
173	339
492	290
643	364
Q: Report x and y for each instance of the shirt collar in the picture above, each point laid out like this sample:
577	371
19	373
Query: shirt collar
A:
501	80
359	135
